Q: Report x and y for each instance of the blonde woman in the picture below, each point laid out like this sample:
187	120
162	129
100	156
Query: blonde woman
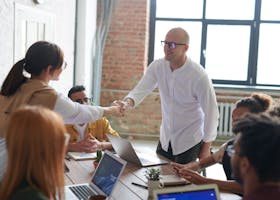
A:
36	146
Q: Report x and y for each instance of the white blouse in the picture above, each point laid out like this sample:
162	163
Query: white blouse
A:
75	113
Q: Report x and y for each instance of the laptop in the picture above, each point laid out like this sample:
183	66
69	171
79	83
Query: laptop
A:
103	180
125	150
192	192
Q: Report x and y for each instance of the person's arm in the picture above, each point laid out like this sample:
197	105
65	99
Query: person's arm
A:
144	87
196	178
207	99
75	113
111	110
205	150
87	145
195	165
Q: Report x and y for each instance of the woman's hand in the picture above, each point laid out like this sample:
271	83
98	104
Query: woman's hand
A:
113	110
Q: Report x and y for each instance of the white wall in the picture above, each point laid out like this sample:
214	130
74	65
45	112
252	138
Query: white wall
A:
86	18
64	35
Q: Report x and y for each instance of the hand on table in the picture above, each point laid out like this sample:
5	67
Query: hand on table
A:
192	165
192	176
89	144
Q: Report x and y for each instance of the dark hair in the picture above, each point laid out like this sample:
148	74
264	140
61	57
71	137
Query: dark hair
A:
38	57
256	103
260	143
275	110
74	89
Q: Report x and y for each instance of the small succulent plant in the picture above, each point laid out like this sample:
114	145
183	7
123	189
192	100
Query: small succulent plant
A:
97	159
98	155
153	174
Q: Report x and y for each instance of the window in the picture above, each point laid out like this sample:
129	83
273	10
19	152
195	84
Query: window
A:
236	41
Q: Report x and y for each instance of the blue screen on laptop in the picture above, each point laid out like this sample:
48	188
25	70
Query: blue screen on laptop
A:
209	194
107	174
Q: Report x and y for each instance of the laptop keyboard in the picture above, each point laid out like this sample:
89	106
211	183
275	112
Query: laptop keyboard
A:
83	192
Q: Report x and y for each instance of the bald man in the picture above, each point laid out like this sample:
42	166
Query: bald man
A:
188	101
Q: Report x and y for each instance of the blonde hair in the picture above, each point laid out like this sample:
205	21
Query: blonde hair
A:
36	146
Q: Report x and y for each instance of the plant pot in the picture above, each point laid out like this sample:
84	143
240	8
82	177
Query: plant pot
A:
152	185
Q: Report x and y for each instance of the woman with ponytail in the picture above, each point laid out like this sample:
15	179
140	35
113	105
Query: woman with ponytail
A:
44	61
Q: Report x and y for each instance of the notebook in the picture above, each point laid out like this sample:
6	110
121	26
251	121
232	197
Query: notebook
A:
103	180
125	150
172	180
82	155
192	192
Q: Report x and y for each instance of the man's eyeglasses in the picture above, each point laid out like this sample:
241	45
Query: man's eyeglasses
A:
84	100
171	45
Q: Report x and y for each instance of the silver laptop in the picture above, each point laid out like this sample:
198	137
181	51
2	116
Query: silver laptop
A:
103	180
191	192
125	150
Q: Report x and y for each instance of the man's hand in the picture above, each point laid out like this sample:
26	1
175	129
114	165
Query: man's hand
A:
88	145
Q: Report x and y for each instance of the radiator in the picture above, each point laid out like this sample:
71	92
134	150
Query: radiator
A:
224	126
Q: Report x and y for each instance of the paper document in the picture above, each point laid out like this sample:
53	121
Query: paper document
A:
82	155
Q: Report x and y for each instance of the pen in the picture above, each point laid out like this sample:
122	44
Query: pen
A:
142	186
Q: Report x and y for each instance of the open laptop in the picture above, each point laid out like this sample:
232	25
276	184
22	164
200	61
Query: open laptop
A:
103	180
125	150
192	192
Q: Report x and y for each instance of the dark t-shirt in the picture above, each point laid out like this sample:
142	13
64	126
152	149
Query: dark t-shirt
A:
264	193
226	162
27	192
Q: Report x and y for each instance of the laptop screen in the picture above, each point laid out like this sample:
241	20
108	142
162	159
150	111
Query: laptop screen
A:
107	174
208	194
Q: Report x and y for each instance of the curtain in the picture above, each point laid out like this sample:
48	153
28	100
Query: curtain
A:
103	20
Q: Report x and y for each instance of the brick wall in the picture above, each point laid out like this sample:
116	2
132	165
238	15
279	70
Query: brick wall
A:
124	62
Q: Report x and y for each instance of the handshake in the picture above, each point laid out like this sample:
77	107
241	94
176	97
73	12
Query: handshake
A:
120	107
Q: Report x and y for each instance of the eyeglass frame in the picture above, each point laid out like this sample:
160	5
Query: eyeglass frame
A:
86	100
171	45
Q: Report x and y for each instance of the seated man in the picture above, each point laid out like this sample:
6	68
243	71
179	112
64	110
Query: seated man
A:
255	157
87	137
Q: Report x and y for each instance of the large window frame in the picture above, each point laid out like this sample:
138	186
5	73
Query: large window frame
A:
253	47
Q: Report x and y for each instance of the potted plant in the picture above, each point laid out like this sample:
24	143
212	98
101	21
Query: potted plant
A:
97	159
153	176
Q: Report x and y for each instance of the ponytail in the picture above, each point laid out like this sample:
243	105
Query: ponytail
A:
14	79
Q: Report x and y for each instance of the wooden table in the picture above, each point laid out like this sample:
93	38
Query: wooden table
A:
82	171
